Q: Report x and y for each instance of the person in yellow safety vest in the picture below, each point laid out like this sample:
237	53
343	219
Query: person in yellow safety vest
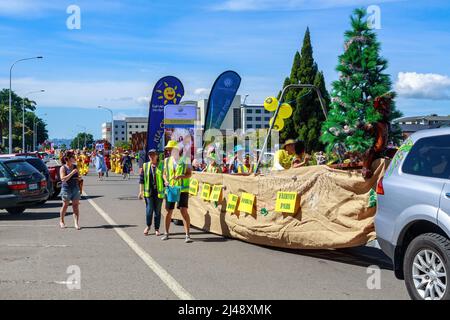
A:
151	189
245	169
213	167
283	158
177	172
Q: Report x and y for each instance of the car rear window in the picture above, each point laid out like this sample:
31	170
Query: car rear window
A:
429	157
20	168
37	163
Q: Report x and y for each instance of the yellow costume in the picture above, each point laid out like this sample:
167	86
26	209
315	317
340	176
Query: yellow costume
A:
118	164
282	160
79	163
112	160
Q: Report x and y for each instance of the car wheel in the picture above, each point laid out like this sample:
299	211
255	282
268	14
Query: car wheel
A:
427	267
17	210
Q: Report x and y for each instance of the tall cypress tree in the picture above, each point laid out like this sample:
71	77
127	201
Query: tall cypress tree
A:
362	80
307	117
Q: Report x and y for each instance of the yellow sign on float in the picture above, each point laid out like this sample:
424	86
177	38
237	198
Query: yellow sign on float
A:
193	187
216	193
247	202
206	191
232	202
287	202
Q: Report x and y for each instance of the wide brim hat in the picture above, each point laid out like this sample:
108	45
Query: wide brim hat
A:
172	144
288	142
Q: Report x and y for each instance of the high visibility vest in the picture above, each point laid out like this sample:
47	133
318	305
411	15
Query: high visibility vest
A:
179	171
243	169
212	169
159	180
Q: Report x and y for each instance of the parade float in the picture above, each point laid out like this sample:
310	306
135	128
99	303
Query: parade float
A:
316	206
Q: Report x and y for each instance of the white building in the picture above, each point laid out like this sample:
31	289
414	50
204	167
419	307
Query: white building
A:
120	131
124	129
255	117
106	131
239	116
135	125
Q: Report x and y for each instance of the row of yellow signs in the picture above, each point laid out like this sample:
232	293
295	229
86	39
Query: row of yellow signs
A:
287	202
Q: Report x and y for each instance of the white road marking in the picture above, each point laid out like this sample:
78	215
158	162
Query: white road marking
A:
169	281
28	226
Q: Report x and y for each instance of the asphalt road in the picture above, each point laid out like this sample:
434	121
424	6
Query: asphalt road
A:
115	261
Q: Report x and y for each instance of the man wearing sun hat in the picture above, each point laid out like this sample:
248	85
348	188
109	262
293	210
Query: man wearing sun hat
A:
283	157
177	172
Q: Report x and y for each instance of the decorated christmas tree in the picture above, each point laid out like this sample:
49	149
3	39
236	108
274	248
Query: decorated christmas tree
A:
363	89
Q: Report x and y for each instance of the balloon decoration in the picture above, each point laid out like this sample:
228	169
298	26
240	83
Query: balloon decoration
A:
279	124
285	111
271	104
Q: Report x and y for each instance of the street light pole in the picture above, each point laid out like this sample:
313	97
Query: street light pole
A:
112	124
23	117
10	100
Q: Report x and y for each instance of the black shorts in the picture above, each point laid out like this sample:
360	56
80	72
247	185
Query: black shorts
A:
183	203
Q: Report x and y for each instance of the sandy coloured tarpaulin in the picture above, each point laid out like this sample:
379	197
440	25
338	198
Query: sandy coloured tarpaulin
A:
334	208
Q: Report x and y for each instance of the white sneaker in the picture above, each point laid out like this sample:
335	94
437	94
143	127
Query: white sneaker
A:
188	239
165	237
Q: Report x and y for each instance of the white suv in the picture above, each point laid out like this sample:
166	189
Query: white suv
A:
413	215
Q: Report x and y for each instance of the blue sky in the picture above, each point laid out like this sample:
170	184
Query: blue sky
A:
125	46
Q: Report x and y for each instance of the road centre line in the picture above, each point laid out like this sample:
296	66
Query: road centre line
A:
168	280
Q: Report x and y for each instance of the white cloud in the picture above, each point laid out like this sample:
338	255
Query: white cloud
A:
202	92
25	7
415	85
143	101
262	5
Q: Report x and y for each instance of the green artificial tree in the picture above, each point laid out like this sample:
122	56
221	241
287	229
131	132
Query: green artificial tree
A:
307	118
362	80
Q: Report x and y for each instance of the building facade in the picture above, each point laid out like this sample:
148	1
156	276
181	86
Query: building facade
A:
409	125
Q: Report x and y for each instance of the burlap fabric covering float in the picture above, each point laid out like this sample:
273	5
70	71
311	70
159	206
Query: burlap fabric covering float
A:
334	211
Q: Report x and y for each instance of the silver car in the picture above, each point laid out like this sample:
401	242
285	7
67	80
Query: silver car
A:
413	217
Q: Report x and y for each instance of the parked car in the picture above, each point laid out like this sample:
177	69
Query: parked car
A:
53	168
39	165
21	185
413	215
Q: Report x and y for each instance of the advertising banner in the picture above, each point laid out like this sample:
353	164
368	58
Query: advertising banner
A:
168	91
220	99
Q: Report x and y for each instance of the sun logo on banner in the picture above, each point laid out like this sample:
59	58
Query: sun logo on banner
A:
169	94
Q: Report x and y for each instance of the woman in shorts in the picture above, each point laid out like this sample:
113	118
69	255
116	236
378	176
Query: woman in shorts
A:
70	190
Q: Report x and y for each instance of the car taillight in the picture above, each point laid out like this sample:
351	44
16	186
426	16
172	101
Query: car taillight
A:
52	172
380	189
43	183
17	185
